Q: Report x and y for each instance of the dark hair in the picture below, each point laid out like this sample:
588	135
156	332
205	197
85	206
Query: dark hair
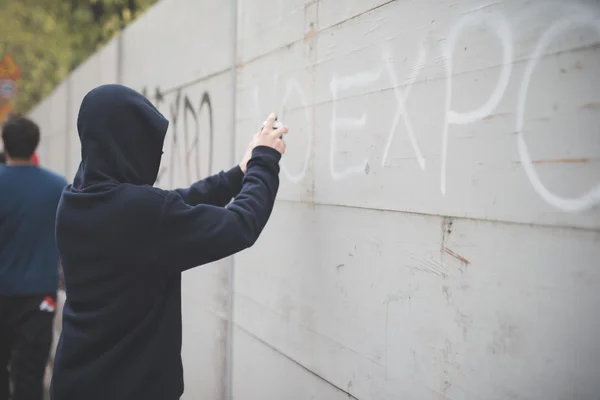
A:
21	137
2	158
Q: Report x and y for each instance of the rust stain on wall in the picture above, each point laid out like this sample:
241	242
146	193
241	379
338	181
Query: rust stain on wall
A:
492	116
457	256
590	106
310	35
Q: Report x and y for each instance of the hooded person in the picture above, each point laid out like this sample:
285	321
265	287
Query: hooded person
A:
124	244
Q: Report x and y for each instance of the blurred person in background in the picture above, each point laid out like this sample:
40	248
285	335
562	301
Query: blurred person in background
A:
29	197
35	160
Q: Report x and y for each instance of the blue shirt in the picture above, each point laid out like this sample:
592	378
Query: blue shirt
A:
29	196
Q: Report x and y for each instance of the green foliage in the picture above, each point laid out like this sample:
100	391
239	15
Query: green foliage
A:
49	38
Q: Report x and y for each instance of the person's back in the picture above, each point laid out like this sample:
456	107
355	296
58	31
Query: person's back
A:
29	197
121	319
124	244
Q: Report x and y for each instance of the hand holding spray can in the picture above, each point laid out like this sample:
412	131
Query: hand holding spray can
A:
276	125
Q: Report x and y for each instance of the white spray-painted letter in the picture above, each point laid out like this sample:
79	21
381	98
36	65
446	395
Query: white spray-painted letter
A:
344	83
291	85
401	97
590	198
503	30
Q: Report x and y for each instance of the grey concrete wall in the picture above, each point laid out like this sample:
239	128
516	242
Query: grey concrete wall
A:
436	234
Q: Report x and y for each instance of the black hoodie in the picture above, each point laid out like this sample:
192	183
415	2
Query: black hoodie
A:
123	246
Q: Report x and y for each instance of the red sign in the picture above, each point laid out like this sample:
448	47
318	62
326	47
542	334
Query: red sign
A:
9	74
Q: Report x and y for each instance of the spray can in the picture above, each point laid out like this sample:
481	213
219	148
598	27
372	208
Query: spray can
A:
276	125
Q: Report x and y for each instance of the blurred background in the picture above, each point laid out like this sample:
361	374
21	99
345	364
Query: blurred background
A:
44	40
437	229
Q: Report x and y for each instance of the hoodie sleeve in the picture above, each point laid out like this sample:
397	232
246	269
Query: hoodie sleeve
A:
195	235
216	190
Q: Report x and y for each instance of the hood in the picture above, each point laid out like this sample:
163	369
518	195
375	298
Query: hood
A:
121	136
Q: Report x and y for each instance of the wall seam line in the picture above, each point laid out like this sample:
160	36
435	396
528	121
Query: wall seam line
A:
270	346
231	293
451	216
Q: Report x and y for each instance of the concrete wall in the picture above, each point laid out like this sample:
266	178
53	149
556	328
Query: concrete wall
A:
436	234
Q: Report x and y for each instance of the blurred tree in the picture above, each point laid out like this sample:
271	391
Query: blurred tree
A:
99	21
49	38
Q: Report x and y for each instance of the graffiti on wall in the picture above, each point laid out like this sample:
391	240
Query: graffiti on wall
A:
190	110
574	17
186	113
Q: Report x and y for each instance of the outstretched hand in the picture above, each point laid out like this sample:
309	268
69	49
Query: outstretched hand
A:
268	136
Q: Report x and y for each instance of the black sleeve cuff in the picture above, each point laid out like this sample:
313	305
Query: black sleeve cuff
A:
234	177
266	152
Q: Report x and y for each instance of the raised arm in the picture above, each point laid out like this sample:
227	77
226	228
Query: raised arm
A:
219	189
216	190
195	235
